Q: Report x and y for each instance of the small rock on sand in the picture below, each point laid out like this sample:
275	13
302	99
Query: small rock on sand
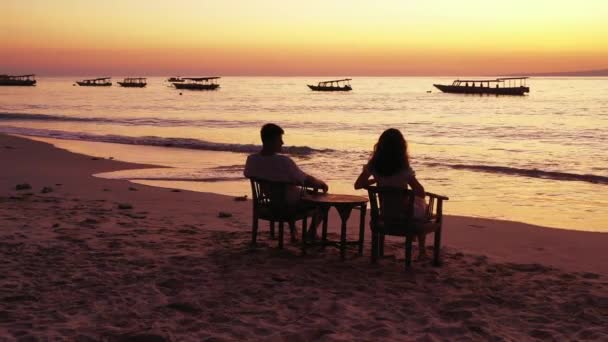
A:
176	190
23	186
223	214
124	206
132	188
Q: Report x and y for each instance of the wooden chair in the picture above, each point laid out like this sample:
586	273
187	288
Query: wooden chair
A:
388	217
270	204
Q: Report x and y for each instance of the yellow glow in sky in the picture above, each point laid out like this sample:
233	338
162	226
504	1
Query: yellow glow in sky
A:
312	37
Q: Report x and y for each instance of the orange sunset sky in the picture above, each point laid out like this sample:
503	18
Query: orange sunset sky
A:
293	37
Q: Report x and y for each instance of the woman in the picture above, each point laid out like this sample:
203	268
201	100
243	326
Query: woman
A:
389	166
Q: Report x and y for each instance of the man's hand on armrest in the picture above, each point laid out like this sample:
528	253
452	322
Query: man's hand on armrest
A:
313	182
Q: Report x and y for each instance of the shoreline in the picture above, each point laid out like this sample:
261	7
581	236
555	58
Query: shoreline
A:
109	259
561	215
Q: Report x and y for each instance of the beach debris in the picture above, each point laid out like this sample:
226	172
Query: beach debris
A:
23	186
46	190
131	188
124	206
223	214
240	198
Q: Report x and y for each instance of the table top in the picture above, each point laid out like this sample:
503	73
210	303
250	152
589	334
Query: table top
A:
334	198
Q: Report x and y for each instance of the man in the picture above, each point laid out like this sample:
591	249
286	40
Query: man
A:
269	165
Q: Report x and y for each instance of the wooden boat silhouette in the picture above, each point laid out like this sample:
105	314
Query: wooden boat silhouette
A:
133	82
95	82
21	80
197	83
335	85
499	86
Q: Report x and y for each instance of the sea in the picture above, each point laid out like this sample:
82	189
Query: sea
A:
538	159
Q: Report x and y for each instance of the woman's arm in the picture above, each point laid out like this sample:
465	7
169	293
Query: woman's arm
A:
416	186
364	179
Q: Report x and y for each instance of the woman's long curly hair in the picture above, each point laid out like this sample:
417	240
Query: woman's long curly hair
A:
390	154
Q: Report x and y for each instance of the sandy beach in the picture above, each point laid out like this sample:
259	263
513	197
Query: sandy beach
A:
90	259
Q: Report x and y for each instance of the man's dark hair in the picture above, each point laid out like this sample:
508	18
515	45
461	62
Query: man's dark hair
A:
270	131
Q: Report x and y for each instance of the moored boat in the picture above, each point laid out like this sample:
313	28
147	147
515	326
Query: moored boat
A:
197	83
133	82
498	86
335	85
95	82
21	80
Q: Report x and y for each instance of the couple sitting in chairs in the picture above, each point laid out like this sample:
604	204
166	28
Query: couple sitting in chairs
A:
388	168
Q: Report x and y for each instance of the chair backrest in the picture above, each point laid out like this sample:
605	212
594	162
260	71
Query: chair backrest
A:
269	194
391	205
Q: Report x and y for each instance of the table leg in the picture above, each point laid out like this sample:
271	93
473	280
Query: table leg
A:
362	228
325	213
344	212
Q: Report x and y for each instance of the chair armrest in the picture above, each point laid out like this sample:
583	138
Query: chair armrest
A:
430	194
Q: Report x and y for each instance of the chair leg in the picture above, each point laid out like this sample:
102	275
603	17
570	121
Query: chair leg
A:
381	245
437	248
272	230
325	218
374	252
281	234
304	221
408	251
254	231
293	231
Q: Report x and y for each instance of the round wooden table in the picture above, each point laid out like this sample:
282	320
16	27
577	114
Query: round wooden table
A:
344	204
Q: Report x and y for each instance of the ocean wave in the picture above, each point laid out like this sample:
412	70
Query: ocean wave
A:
141	121
532	173
187	143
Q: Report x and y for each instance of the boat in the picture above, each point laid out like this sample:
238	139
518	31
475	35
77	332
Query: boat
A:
498	86
197	83
133	82
21	80
174	79
335	85
95	82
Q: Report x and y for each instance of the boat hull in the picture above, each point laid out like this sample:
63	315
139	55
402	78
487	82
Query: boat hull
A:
84	84
194	86
17	83
317	88
482	90
132	85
